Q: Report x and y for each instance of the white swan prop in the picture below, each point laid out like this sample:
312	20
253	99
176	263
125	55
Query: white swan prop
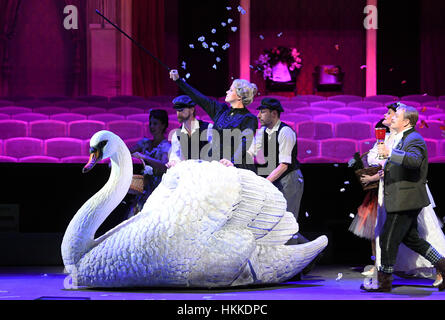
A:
205	225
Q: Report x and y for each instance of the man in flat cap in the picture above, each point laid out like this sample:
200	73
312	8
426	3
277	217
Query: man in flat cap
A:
194	136
277	142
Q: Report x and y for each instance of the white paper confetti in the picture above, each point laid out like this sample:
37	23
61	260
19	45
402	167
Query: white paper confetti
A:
363	66
241	10
218	59
308	151
307	214
187	75
366	142
223	24
261	37
339	276
191	46
214	44
250	66
226	46
183	65
213	30
280	34
229	20
229	8
335	164
351	215
346	182
212	50
373	258
214	66
342	190
201	39
205	45
233	29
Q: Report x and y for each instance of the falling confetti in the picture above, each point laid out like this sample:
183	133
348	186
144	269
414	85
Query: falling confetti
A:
442	127
214	44
241	10
335	164
212	50
233	29
250	66
226	46
366	142
307	214
339	276
218	59
229	8
183	65
280	34
223	24
301	180
213	30
423	123
337	47
201	39
191	46
423	109
391	69
214	66
187	75
205	45
308	151
403	82
342	190
346	182
261	37
351	215
373	258
229	20
363	66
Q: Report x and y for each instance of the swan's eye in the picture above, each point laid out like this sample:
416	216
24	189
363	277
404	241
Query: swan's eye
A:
102	144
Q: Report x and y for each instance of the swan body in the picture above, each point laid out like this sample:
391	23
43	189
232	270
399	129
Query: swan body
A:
205	225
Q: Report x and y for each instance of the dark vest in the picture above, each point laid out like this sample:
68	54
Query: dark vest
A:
186	142
294	165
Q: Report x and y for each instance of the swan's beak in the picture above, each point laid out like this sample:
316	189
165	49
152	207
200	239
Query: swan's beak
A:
94	156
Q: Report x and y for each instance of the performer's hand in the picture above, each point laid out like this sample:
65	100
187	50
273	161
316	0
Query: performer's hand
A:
226	162
174	75
171	164
382	150
365	179
137	155
381	173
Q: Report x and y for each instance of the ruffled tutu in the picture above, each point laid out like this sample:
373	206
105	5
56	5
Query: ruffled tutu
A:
364	222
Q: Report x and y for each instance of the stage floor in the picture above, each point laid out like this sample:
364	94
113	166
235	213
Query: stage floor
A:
322	283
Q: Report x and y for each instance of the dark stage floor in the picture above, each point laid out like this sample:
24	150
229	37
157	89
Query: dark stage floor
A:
322	283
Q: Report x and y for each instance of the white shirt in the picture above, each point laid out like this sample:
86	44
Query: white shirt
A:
286	142
175	151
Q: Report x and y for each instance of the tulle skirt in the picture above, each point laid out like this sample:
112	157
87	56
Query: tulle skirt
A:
364	222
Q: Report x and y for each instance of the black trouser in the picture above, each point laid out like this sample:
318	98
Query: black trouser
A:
401	227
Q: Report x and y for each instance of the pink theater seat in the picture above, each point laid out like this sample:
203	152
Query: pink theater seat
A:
372	118
141	117
441	150
427	112
441	98
328	104
440	159
307	148
354	130
313	111
333	118
68	117
438	117
32	103
75	159
30	116
322	159
339	148
4	116
84	129
382	98
315	130
63	147
39	159
365	105
47	129
162	99
107	104
126	129
49	110
70	104
290	105
414	104
132	142
366	145
345	98
421	98
432	129
11	110
8	159
435	105
13	128
88	110
309	98
144	104
23	147
379	110
296	117
348	111
19	98
432	146
127	110
6	103
92	99
126	99
106	117
55	98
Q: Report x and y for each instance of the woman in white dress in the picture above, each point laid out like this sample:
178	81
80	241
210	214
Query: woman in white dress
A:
429	226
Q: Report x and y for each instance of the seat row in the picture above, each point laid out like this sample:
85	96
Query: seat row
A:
29	149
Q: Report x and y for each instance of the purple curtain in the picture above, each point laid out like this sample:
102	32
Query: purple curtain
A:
8	18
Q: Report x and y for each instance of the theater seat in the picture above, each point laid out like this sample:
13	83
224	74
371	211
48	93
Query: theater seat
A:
315	130
427	112
68	117
322	159
4	116
382	98
432	146
366	144
84	129
440	159
312	111
6	103
421	98
92	98
349	111
296	117
23	147
354	130
127	110
379	110
441	149
372	118
141	117
75	159
47	129
8	159
366	104
49	110
309	98
307	148
39	159
89	110
328	104
30	116
126	129
332	118
345	98
435	105
63	147
430	130
11	110
106	117
13	128
339	148
126	98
